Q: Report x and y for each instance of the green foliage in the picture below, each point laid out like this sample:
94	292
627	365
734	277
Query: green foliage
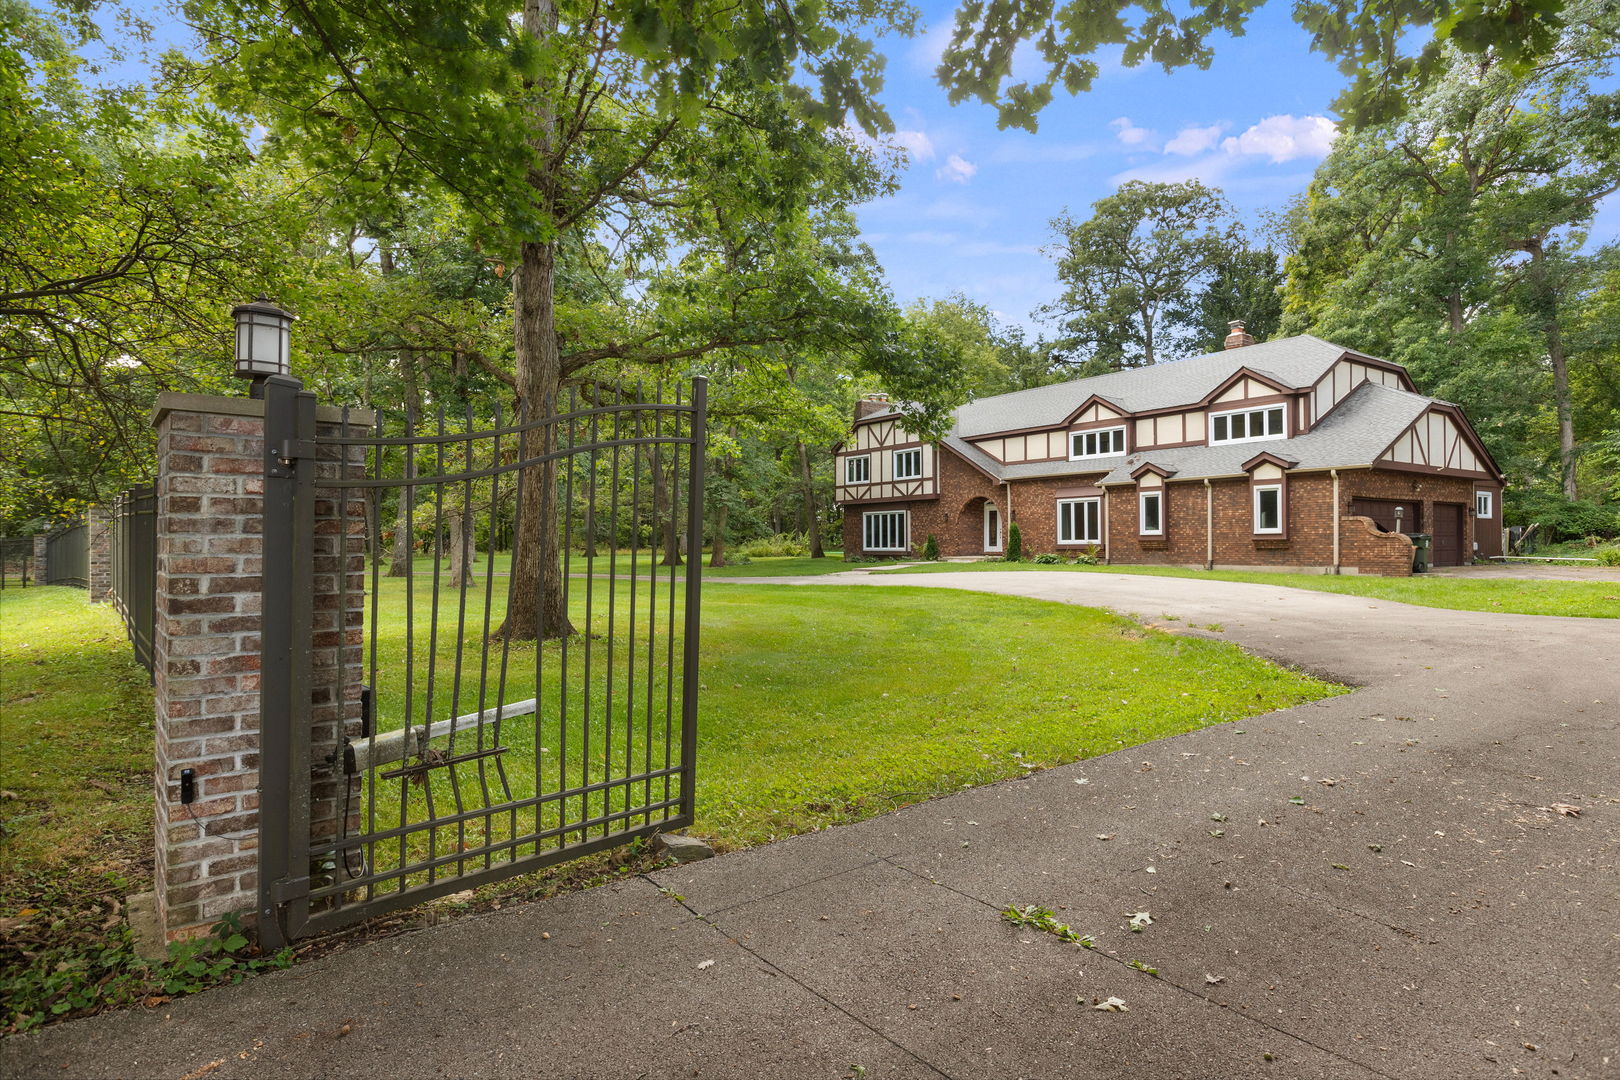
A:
991	358
1246	284
1047	558
1369	41
1608	556
1125	270
930	549
1563	519
776	546
58	983
1015	544
1088	557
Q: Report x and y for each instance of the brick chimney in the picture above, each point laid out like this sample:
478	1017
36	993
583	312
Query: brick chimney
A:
1239	337
869	404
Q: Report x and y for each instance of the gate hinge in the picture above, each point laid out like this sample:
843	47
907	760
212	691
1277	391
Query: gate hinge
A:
289	889
293	449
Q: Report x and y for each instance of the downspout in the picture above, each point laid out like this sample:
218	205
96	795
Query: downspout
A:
1209	525
1007	518
1337	514
1108	541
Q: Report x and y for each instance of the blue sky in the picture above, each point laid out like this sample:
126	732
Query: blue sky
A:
975	204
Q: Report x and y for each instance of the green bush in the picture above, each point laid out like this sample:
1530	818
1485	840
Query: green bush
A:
1047	559
1087	558
930	549
1015	544
780	546
1564	519
1609	556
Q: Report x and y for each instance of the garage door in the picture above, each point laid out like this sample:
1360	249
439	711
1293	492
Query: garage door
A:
1448	534
1383	512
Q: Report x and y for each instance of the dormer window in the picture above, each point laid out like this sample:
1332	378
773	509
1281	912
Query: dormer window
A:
858	470
1103	442
1248	425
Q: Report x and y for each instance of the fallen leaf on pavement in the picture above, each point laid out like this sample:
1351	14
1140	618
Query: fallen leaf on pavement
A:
1113	1004
706	965
1213	979
1562	808
1139	919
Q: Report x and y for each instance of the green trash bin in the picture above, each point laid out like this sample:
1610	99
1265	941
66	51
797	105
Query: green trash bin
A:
1422	550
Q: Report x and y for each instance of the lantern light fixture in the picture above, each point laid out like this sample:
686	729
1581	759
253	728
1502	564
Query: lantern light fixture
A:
263	342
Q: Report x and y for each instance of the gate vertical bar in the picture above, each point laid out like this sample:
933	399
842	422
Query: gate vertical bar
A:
694	583
284	659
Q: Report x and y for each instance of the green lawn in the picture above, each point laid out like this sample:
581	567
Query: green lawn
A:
1587	599
608	563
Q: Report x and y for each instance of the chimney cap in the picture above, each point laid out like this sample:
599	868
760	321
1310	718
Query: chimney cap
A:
1238	337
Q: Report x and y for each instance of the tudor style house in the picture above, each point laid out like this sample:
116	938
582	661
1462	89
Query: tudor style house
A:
1294	454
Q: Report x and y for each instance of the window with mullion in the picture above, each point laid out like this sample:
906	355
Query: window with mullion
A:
1079	521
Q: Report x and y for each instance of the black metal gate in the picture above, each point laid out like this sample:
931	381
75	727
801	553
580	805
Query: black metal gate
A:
479	654
67	557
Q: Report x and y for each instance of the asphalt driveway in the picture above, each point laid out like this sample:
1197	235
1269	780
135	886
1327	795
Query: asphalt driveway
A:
1415	880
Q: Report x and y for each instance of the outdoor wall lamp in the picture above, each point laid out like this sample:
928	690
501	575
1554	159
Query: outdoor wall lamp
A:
1400	512
263	342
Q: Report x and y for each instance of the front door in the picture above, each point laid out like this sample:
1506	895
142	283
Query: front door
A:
1448	534
992	527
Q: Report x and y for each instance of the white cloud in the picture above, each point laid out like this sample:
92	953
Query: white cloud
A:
1128	133
1191	141
1284	138
917	145
956	170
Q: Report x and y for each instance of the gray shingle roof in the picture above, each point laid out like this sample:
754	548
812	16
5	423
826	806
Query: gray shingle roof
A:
1353	434
1295	361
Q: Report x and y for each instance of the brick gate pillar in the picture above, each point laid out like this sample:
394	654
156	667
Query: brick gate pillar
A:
210	557
98	522
40	541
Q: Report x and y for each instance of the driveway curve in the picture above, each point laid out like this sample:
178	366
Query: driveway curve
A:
1418	879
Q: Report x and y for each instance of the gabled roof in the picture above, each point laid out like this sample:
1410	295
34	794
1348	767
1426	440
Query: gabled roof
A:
1294	362
1354	434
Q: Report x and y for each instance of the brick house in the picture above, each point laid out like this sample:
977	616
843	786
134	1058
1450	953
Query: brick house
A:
1293	454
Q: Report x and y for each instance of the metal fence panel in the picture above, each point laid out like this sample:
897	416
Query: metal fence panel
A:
16	562
483	749
67	557
134	567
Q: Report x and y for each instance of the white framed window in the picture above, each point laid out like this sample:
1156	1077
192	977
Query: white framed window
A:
1482	504
1248	425
908	463
992	527
858	470
1103	442
1079	521
1268	508
885	530
1150	513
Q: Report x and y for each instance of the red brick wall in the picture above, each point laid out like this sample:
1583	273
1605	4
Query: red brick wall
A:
1372	551
956	518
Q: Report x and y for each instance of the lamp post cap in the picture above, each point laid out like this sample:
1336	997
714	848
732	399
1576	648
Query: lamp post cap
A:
261	305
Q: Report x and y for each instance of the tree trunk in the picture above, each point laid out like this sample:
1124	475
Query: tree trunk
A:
667	514
459	526
717	545
536	607
807	478
1548	302
404	548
